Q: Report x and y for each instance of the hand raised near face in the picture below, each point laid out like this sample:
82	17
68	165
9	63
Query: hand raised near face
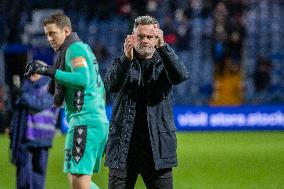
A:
129	45
160	36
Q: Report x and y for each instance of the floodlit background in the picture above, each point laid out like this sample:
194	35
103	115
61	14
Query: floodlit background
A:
229	114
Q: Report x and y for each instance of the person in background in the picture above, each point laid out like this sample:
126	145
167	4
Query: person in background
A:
264	92
142	137
31	132
76	80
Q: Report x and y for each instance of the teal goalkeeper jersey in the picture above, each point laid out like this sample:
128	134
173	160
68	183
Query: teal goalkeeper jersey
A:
84	88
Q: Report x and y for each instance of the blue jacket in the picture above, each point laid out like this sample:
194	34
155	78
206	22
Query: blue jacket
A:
33	121
123	78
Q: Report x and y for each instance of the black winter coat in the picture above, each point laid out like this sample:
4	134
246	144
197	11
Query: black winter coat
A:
123	78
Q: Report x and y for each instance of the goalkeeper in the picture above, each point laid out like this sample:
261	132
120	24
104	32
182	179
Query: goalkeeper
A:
75	80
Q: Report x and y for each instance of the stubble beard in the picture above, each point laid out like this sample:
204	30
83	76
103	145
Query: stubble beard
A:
145	51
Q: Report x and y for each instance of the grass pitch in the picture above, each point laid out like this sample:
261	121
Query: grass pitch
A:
207	160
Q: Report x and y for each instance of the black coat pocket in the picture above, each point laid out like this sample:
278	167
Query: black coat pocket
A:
167	143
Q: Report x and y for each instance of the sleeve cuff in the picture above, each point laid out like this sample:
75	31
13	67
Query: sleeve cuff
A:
124	59
125	63
165	49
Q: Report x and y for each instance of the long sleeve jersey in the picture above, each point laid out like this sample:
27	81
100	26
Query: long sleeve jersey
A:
84	88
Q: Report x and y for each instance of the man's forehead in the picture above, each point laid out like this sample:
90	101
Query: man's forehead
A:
144	28
51	26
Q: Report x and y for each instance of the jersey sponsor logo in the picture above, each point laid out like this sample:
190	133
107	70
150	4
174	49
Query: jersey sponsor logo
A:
79	62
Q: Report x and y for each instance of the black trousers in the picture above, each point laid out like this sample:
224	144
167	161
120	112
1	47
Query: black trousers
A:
153	179
140	163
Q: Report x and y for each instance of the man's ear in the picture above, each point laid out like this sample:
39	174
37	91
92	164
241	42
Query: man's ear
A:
157	25
66	30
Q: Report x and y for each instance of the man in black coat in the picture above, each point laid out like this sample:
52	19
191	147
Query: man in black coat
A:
142	137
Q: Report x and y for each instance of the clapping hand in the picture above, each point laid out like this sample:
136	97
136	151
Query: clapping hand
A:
159	35
129	46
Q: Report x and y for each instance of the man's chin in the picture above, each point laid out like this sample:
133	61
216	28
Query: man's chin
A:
145	52
55	48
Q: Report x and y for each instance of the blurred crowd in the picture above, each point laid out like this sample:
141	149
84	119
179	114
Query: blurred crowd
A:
233	48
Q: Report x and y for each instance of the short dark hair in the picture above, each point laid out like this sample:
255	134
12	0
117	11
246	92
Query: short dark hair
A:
60	19
145	20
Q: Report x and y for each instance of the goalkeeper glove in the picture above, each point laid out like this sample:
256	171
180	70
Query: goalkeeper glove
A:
39	67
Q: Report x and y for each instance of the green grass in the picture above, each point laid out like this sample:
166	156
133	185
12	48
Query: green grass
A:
207	160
